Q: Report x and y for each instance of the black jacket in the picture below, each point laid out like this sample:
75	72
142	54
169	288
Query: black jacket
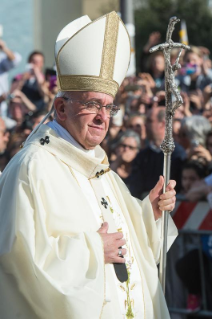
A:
148	166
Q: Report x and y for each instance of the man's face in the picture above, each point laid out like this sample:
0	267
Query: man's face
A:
193	58
38	61
4	137
183	138
189	177
158	63
128	149
154	128
136	124
88	129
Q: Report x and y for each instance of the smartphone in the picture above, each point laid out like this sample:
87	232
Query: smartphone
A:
29	67
188	69
194	143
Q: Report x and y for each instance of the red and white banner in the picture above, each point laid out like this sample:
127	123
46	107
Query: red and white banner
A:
193	216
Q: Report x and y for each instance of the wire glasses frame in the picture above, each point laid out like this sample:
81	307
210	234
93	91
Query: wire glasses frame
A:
95	106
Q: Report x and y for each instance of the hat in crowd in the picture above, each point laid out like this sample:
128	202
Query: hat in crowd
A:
93	55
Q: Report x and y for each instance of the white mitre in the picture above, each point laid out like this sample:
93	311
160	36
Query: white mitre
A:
93	55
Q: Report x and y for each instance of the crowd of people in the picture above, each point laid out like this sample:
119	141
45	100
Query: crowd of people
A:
137	131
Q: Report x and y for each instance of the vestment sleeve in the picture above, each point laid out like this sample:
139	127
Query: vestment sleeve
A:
148	231
154	228
63	275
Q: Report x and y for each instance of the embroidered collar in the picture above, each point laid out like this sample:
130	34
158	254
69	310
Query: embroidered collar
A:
89	166
62	132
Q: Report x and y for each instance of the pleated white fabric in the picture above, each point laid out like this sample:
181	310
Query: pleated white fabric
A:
51	256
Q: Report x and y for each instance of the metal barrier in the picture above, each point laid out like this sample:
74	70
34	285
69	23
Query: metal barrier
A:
192	219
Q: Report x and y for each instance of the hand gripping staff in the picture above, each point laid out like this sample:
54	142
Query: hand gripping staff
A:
167	145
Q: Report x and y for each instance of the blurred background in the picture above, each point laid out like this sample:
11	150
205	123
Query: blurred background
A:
28	30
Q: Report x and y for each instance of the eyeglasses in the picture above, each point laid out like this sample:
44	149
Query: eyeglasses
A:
129	146
95	106
135	126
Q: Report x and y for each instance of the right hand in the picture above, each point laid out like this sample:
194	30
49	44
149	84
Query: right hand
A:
199	190
112	242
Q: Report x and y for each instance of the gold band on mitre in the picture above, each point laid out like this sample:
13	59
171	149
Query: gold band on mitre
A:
87	83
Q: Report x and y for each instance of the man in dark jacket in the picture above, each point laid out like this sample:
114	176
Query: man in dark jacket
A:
148	165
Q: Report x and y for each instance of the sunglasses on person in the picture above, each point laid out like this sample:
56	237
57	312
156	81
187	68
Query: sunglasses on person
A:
135	126
129	146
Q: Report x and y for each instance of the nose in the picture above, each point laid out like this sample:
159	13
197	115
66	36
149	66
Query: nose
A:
102	113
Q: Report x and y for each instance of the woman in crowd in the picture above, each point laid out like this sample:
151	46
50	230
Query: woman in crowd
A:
192	137
126	150
136	122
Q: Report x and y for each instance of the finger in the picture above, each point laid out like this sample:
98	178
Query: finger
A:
171	185
167	205
123	251
119	260
118	235
168	208
168	195
169	201
104	228
114	258
121	242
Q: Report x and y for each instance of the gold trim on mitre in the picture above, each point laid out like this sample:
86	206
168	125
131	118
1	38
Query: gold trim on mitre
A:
88	83
109	47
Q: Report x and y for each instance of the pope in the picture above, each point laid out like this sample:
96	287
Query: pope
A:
74	243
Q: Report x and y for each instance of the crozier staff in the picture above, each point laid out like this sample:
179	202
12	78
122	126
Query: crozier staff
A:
70	219
167	145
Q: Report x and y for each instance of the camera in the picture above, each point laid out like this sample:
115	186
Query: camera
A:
194	143
10	97
29	67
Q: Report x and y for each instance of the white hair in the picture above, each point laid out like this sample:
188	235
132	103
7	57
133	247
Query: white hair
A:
197	127
128	133
60	94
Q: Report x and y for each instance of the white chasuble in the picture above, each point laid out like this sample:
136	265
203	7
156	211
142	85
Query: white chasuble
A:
106	208
51	256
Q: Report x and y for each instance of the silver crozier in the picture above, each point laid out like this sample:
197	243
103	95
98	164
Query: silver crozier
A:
167	145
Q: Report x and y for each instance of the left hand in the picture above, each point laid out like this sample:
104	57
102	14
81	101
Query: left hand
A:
160	201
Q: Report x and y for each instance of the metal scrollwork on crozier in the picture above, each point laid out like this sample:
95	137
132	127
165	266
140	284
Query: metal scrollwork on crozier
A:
167	145
170	86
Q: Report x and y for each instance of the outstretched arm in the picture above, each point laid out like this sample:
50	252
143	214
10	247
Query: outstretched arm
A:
7	51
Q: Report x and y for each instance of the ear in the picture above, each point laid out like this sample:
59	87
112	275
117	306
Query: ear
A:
59	105
163	124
